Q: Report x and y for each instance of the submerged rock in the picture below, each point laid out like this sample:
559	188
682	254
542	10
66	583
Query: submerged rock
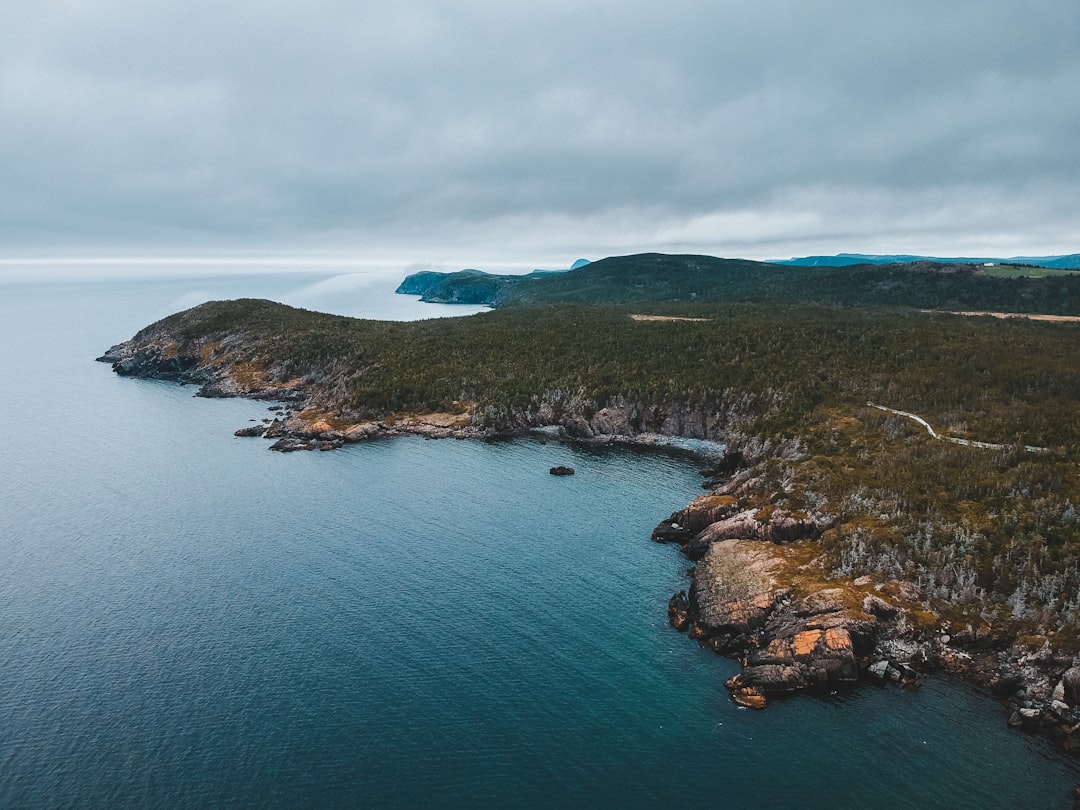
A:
561	470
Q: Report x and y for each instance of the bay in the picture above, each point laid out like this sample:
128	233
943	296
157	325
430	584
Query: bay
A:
188	620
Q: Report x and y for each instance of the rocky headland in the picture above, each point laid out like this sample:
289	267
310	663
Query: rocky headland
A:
760	592
761	589
314	420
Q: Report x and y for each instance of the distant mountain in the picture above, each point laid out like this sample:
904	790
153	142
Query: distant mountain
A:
662	279
468	286
1071	262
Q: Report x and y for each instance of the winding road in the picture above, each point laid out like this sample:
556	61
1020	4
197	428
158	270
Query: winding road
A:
966	442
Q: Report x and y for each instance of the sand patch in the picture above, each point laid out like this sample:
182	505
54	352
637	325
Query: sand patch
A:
1026	315
667	318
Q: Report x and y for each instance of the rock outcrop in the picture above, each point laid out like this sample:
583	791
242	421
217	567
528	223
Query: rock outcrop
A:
772	526
740	604
759	594
720	516
685	524
208	363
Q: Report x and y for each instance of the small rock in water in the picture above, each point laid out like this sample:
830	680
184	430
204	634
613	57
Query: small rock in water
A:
560	470
750	697
879	669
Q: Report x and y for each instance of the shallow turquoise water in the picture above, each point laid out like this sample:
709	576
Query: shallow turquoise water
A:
188	620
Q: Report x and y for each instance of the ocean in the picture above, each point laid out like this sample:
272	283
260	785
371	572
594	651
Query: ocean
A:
189	620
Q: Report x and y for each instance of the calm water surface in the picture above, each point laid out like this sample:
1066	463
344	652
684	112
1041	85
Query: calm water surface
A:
188	620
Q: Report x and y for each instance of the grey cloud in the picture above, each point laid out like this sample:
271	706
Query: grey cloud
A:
411	125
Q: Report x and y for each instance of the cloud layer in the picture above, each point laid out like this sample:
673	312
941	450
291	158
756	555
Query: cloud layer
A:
555	130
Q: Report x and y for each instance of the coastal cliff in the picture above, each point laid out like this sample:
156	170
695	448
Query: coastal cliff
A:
225	358
762	592
835	543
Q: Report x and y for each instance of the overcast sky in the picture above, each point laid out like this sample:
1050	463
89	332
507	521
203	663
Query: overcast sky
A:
482	131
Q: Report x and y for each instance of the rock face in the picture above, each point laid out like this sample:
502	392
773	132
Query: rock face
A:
738	605
420	283
705	510
758	594
155	354
754	595
217	365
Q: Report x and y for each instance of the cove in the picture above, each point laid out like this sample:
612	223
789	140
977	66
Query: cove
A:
189	620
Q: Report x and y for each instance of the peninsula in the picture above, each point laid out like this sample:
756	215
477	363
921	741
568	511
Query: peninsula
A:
836	540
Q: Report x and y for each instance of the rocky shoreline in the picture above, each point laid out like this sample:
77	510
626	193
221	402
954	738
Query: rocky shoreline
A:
758	591
758	594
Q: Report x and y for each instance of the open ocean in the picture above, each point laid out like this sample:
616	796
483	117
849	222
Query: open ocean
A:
188	620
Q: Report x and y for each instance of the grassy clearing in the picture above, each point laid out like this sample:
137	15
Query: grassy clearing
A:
1024	271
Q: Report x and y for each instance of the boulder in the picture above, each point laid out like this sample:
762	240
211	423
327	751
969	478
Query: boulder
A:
276	429
289	444
1070	682
1005	683
876	606
750	697
879	670
679	611
671	531
770	679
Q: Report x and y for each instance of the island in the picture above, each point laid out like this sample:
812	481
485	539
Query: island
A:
898	492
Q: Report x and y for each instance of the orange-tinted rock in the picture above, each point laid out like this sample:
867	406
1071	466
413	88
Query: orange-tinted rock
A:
837	639
804	643
749	696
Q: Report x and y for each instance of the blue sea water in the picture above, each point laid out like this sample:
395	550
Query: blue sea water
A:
188	620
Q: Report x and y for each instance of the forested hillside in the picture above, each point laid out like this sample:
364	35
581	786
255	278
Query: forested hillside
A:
773	357
657	279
